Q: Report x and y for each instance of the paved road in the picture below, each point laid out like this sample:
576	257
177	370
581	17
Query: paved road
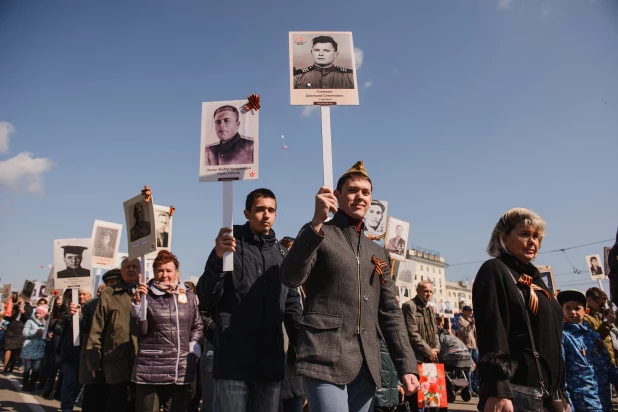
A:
13	399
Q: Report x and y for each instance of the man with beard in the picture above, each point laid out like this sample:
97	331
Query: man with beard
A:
111	347
232	149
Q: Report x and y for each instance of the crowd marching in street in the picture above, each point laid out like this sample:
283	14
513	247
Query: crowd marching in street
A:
315	323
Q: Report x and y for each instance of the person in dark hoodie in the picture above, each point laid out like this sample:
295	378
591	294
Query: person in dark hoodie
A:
250	303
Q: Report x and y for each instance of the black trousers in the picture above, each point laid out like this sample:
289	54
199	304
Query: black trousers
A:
119	397
149	397
94	398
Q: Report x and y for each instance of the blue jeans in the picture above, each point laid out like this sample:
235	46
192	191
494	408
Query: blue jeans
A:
32	365
356	396
473	378
70	386
238	396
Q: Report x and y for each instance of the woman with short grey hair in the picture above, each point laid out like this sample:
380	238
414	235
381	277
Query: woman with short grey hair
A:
507	289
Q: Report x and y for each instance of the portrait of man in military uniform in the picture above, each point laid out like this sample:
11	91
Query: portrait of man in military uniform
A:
323	73
232	148
162	230
73	256
397	239
141	227
375	218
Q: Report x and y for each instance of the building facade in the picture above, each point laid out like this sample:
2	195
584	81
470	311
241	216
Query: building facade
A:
458	295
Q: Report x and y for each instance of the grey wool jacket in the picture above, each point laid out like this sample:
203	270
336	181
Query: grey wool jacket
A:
347	308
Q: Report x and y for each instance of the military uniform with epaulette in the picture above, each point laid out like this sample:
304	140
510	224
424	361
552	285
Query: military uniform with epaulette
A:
314	77
236	151
73	273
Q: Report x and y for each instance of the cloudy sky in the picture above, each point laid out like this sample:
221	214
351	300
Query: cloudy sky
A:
467	108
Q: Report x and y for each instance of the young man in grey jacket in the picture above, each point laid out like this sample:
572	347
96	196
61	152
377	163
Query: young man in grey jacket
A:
350	302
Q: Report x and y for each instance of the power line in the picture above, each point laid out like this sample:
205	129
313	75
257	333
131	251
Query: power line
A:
541	253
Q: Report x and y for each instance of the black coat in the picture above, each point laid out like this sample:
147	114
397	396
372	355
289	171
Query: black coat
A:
13	336
505	349
250	303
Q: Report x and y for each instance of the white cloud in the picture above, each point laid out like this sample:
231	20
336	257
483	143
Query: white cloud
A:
505	4
545	10
22	173
307	110
367	85
6	129
358	57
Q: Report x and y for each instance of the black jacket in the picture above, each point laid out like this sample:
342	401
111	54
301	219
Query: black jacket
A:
505	349
250	303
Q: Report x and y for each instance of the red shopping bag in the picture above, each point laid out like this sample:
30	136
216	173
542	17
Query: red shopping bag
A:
432	392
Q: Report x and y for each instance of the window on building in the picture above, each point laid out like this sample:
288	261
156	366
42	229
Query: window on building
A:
421	267
421	278
434	270
440	271
415	277
440	291
440	282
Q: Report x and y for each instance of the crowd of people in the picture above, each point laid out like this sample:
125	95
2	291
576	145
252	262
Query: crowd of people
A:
314	322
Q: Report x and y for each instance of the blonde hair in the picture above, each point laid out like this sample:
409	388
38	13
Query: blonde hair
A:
507	223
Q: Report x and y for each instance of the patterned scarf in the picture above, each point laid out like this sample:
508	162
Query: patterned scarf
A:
166	287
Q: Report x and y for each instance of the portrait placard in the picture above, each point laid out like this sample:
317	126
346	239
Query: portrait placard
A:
163	230
40	290
27	290
606	251
376	218
322	69
547	276
72	263
396	241
139	216
105	242
6	292
49	285
229	144
594	266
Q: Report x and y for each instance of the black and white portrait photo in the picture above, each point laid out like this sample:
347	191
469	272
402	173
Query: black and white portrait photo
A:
229	138
163	219
547	276
163	230
105	241
396	240
376	218
322	68
27	291
139	216
72	263
595	266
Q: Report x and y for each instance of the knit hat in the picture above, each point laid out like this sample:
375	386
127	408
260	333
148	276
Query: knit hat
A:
42	309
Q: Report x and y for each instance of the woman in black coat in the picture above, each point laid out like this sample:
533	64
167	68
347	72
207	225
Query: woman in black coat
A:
505	349
13	336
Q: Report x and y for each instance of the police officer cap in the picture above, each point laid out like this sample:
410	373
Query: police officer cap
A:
76	250
572	296
111	274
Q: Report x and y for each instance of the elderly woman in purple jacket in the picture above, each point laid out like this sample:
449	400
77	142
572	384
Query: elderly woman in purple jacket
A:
167	339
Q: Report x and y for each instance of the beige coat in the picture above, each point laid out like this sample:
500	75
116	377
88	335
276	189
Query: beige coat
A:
466	331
